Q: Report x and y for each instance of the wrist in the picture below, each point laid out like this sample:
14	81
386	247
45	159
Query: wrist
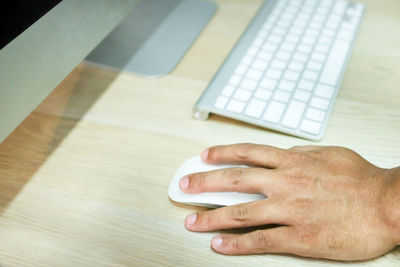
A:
392	203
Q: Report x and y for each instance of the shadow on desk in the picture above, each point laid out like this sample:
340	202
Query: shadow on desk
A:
30	145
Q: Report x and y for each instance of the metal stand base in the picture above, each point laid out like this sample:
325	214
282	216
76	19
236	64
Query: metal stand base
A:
154	37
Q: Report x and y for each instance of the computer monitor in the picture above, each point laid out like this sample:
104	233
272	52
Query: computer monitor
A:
44	40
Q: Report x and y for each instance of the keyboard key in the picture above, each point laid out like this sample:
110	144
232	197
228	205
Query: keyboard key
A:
317	56
315	114
345	35
308	40
292	75
236	106
270	47
243	95
301	57
254	74
268	25
281	96
228	90
318	17
325	91
263	94
296	66
288	47
322	48
300	23
265	56
252	51
275	39
324	6
247	60
310	75
235	79
274	112
332	24
304	48
248	84
283	23
320	103
279	64
274	74
310	127
325	40
283	55
292	38
328	32
221	102
315	25
306	85
297	31
312	33
302	95
279	31
349	26
287	85
258	42
259	64
339	7
241	69
314	65
335	18
268	83
333	67
255	108
293	114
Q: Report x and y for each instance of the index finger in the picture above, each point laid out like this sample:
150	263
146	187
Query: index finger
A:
248	154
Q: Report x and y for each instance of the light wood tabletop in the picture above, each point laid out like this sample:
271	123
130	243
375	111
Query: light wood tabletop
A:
84	179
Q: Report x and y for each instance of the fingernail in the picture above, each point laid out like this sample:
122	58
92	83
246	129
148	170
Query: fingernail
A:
204	155
216	241
184	183
191	219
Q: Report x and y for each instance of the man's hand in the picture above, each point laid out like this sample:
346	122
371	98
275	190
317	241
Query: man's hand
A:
329	202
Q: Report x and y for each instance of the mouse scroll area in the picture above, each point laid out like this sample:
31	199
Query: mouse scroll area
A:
207	199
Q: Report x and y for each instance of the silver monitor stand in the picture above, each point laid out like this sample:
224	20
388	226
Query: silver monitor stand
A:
154	37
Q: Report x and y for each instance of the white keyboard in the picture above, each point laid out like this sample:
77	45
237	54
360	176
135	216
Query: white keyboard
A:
286	70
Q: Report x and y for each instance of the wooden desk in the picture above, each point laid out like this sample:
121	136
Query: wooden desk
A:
83	180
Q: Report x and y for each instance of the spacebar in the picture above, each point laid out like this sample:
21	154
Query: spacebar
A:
334	65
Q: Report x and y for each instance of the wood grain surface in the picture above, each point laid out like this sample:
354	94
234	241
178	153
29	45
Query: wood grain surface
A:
84	179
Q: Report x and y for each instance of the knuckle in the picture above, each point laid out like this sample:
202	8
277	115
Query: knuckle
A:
212	153
244	150
262	241
199	182
295	177
240	214
234	175
205	218
306	234
300	157
302	203
235	242
333	241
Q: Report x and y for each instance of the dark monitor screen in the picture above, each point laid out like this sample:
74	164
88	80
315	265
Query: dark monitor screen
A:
18	15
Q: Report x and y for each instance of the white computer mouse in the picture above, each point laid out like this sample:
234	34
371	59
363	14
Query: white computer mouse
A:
208	199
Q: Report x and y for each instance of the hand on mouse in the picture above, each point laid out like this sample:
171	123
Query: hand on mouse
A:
329	202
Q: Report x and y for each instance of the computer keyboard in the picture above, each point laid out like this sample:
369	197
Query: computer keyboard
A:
286	70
